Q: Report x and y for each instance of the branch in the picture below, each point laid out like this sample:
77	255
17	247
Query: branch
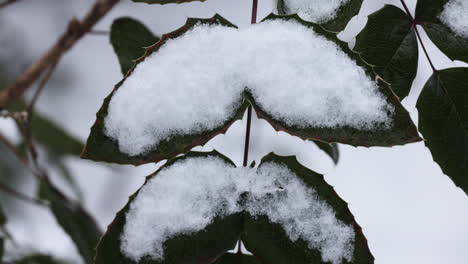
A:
7	3
75	31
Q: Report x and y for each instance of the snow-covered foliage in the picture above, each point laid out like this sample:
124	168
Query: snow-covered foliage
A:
317	11
186	196
455	16
195	82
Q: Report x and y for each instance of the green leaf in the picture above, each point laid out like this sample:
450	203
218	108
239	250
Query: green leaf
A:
443	121
338	23
450	43
389	43
39	259
129	38
268	242
49	134
201	247
74	220
163	2
331	149
100	147
232	258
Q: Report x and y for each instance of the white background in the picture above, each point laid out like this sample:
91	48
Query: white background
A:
409	211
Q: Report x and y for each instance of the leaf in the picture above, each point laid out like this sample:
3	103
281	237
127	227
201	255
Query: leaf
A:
450	43
74	220
201	247
338	23
268	242
163	2
101	147
231	258
389	43
49	134
129	38
331	149
39	259
443	121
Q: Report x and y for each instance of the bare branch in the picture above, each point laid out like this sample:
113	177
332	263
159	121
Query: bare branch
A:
75	31
20	196
7	3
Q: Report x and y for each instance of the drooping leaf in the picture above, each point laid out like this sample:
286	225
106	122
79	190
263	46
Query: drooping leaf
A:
389	43
451	44
233	258
129	38
163	2
336	24
270	243
200	247
443	121
331	149
101	147
267	241
75	221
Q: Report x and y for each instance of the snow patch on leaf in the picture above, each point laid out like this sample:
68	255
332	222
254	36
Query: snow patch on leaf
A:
455	16
318	11
186	196
194	83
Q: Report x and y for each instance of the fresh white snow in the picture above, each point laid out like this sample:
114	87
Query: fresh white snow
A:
186	196
195	82
455	16
314	10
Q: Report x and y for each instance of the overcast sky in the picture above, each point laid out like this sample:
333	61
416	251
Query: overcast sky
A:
409	211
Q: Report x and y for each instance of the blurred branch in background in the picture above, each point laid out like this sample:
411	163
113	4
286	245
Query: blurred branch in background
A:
7	3
75	31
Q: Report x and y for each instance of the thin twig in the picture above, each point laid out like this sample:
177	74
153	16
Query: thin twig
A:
7	3
13	149
6	189
75	31
44	80
414	23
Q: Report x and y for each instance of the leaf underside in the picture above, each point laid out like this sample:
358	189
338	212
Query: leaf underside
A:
443	121
337	24
267	241
389	43
450	43
100	147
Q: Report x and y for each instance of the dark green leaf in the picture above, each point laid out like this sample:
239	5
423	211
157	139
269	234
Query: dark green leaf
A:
163	2
129	38
331	149
389	43
201	247
74	220
39	259
337	24
100	147
270	243
443	121
232	258
450	43
3	218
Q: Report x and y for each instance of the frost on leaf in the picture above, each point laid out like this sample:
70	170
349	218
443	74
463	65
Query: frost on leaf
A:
194	85
186	196
455	16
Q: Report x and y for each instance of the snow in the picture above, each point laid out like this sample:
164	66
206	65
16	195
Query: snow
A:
455	16
195	82
186	196
318	11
